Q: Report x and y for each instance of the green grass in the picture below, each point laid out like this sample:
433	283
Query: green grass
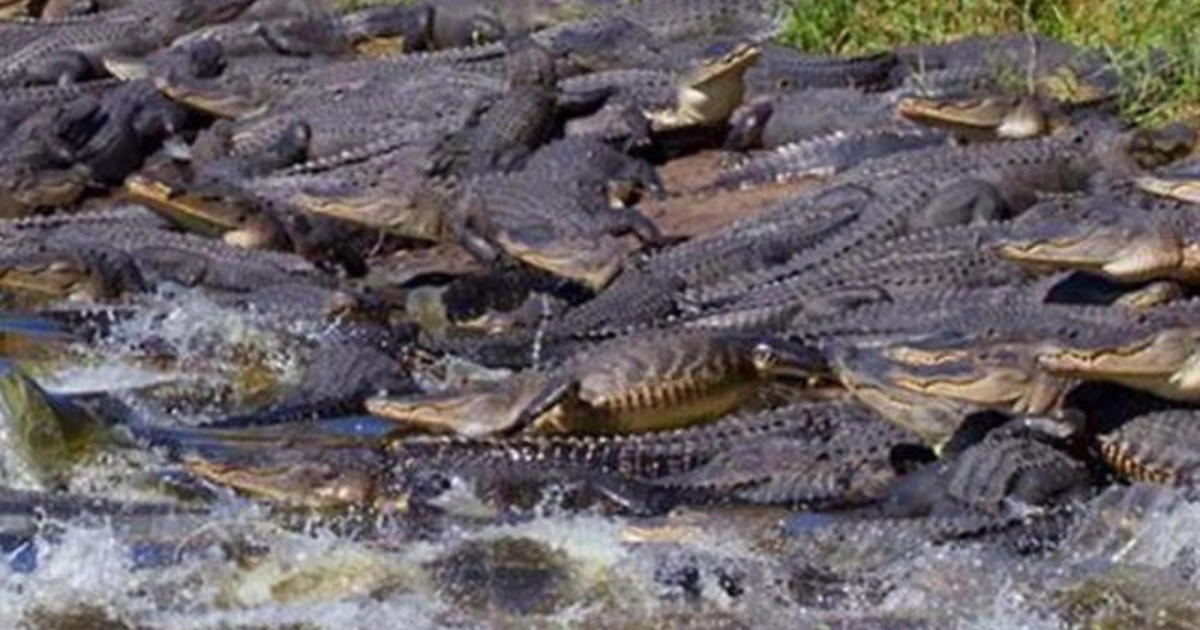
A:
1152	43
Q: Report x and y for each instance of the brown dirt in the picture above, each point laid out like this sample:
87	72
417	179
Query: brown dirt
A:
689	210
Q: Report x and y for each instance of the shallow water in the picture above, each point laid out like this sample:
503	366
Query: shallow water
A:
1133	561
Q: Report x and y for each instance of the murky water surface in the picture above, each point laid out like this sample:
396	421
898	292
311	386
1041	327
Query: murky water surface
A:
1132	562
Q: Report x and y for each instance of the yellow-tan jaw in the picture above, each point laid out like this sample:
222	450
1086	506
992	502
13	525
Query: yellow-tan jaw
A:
389	211
126	68
42	189
217	102
709	94
591	262
485	410
308	484
1006	117
53	280
1152	295
210	216
1164	364
1115	253
1187	190
14	9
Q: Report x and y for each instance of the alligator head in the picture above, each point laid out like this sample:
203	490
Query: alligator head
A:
310	478
1004	117
867	375
1162	362
710	93
484	409
1124	248
211	215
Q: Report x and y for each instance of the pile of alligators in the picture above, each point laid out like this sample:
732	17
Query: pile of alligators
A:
634	254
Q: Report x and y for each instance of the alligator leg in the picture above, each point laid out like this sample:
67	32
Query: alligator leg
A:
62	68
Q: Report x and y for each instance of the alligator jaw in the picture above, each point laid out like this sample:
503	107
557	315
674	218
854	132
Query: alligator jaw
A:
1114	253
710	94
1187	190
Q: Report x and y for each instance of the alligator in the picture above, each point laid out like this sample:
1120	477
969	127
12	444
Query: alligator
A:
1145	349
1180	181
1181	188
418	107
460	23
939	259
57	152
826	155
132	121
706	464
968	374
38	167
783	69
18	104
999	117
502	134
638	102
1152	353
854	466
492	301
652	381
627	304
208	215
40	272
941	186
710	93
776	120
543	218
963	98
233	86
184	259
899	395
376	30
299	302
347	128
935	259
1015	489
69	50
1001	473
1111	235
1013	62
33	226
1160	447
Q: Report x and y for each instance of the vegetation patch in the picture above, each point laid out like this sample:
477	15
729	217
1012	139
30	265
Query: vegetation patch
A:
1152	43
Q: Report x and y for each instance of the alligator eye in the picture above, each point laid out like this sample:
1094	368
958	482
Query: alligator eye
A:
783	84
763	356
